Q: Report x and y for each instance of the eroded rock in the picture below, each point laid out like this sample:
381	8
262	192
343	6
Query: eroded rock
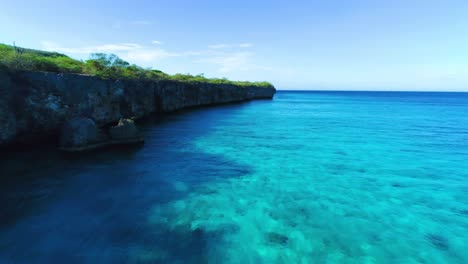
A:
36	104
125	129
81	134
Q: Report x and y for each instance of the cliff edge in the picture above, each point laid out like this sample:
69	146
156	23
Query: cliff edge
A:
37	104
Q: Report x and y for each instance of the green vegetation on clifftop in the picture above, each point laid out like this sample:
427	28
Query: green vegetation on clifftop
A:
107	66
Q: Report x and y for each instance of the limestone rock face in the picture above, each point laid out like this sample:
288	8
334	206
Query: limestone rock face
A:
125	129
173	95
79	134
37	104
7	114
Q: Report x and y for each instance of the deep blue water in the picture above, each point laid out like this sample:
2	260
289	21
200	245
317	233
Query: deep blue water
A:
309	177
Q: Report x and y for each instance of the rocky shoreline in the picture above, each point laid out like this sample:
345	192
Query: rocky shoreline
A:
82	134
38	104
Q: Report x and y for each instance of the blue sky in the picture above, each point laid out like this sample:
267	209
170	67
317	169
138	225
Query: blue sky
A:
335	44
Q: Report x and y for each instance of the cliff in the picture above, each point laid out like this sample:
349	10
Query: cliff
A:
37	104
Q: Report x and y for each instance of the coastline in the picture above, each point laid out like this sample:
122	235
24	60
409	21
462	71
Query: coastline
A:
34	105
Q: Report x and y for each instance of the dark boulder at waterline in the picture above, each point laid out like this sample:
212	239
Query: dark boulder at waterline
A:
125	129
80	133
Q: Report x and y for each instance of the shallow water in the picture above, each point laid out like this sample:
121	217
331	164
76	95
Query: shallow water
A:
310	177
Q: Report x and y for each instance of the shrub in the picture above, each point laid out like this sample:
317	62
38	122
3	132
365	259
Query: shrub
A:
108	66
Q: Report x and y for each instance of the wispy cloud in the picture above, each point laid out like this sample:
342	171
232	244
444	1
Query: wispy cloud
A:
226	46
135	53
225	61
230	62
246	45
105	48
233	62
146	56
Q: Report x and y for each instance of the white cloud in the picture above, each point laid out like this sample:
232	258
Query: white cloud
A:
245	45
149	55
106	48
233	62
117	47
225	61
135	53
229	62
226	46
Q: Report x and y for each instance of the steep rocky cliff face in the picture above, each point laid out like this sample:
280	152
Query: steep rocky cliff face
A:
36	104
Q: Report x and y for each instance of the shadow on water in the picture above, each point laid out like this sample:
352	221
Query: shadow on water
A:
95	207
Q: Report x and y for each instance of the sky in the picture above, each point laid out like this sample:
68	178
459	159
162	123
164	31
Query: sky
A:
320	45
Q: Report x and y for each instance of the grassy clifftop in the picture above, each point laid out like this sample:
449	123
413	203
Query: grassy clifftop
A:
107	66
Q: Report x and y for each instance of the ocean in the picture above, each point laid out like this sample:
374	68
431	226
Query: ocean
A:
309	177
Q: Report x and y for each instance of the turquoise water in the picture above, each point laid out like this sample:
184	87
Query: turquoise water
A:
310	177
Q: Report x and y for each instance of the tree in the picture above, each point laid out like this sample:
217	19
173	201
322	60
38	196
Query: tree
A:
106	65
108	60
